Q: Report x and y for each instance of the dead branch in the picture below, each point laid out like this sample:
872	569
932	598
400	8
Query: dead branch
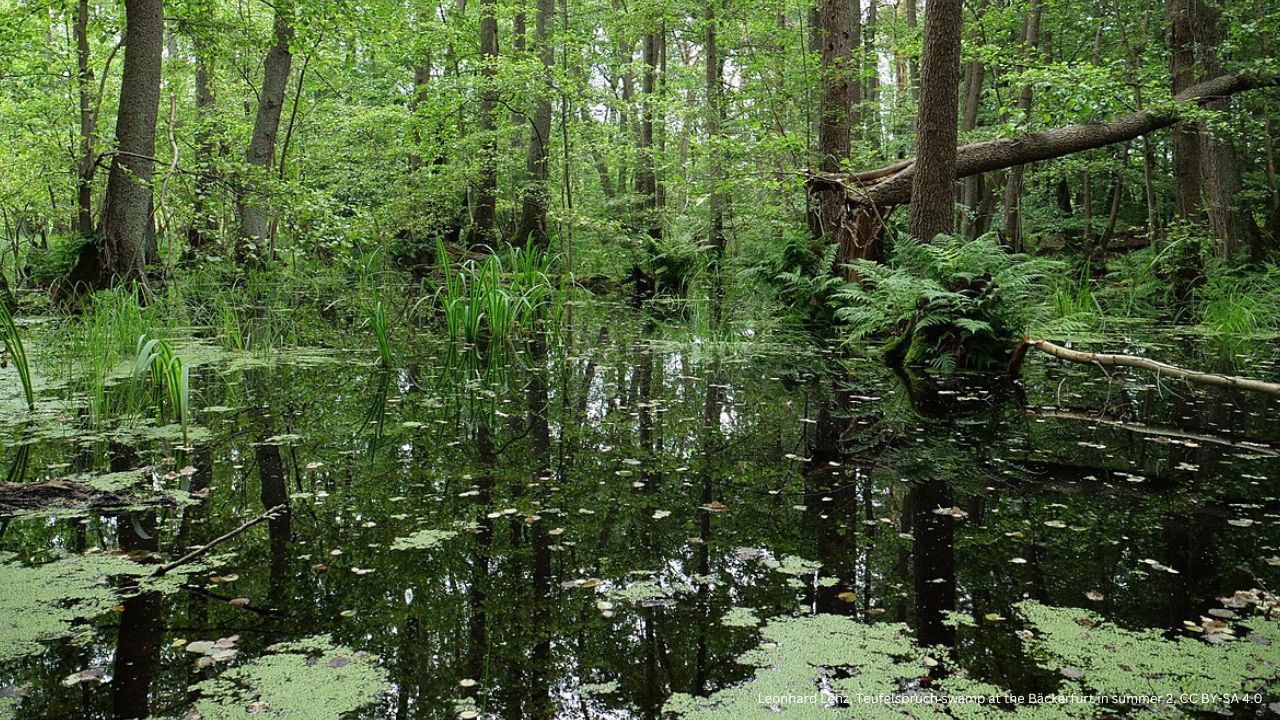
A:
1118	360
1155	430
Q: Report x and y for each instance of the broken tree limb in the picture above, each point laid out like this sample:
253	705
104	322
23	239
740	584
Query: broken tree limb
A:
1118	360
891	185
200	551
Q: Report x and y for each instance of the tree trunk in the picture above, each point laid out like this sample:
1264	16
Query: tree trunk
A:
533	213
837	34
485	201
971	197
1234	226
421	89
910	14
932	189
204	221
715	117
646	177
1013	190
1182	70
88	123
119	252
252	205
871	71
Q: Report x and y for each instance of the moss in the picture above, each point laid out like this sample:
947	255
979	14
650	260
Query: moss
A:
423	540
311	679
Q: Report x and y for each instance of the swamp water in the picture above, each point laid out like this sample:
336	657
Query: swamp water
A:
620	525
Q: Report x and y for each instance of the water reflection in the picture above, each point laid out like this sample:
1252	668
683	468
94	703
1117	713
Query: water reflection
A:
613	502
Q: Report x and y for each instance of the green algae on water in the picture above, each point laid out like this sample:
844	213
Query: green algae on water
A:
1114	661
423	540
740	617
310	679
46	602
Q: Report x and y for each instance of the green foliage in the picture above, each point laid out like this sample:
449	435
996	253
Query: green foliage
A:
801	281
15	351
952	303
1238	302
378	321
50	266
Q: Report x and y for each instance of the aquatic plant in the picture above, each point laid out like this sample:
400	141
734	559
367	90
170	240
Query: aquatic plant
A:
378	321
42	603
423	540
169	376
15	352
481	302
952	303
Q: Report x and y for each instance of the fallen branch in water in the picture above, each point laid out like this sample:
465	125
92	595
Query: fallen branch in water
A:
1117	360
200	551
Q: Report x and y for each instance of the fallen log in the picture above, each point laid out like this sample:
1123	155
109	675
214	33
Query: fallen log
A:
1118	360
69	495
891	185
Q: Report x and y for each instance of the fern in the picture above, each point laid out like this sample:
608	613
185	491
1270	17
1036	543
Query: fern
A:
949	304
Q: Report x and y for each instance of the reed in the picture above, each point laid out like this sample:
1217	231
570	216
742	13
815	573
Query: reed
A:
15	352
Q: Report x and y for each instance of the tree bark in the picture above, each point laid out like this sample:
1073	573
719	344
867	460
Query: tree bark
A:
871	72
837	34
715	118
204	222
933	209
485	200
119	251
971	197
646	174
533	212
1182	71
1013	189
88	123
252	205
1221	172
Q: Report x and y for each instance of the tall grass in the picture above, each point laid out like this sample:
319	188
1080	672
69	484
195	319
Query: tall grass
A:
378	321
15	351
482	302
1239	303
162	376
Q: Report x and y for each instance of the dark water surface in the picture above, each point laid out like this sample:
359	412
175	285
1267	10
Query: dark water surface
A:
615	494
